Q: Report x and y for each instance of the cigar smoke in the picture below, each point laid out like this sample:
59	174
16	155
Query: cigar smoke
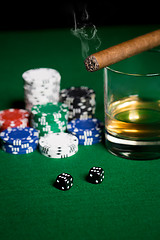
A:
87	33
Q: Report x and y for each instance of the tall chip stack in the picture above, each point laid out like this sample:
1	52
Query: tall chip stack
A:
41	85
80	101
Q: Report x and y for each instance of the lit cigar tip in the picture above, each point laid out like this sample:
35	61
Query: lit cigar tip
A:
91	63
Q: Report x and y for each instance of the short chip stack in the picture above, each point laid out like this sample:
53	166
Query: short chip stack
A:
41	85
87	131
19	140
10	118
80	101
49	118
58	145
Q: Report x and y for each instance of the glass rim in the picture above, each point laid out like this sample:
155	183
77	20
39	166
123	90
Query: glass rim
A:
130	73
134	74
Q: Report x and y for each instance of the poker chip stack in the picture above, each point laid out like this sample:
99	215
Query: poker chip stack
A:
58	145
88	132
80	101
10	118
19	140
49	118
41	85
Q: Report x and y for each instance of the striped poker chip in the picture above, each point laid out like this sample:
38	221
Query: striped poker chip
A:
18	136
41	85
59	153
49	109
18	150
22	146
80	101
73	93
49	118
17	123
41	75
90	141
88	131
13	118
58	145
84	137
88	126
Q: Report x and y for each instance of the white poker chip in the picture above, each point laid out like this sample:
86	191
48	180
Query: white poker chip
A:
58	145
58	140
41	85
58	154
43	75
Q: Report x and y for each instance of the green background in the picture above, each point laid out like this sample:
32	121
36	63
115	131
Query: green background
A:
125	206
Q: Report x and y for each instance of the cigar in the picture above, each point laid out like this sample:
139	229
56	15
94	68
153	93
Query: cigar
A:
122	51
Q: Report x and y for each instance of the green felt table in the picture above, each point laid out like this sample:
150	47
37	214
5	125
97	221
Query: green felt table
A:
125	206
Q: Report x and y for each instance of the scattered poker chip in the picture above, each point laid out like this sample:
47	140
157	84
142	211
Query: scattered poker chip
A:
18	136
41	85
87	131
10	118
80	101
49	118
19	140
58	145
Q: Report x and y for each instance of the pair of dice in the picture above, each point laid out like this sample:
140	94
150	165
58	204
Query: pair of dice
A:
64	181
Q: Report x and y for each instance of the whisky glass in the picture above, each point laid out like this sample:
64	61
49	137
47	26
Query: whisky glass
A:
132	107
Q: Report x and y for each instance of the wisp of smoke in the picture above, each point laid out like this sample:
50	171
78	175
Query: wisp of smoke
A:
87	33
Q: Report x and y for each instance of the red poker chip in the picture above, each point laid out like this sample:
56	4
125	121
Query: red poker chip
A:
12	115
17	123
10	118
19	126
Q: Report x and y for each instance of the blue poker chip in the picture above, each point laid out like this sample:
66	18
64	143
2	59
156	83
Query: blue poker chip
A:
89	142
20	147
19	136
93	137
89	127
18	150
87	133
23	145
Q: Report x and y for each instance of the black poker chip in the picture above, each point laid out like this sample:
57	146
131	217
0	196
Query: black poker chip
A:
80	101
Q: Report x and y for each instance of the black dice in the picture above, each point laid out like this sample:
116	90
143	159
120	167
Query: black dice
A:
64	181
96	175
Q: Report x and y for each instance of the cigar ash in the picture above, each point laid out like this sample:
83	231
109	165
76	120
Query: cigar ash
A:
91	63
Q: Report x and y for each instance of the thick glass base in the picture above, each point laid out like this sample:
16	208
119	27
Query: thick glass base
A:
136	150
